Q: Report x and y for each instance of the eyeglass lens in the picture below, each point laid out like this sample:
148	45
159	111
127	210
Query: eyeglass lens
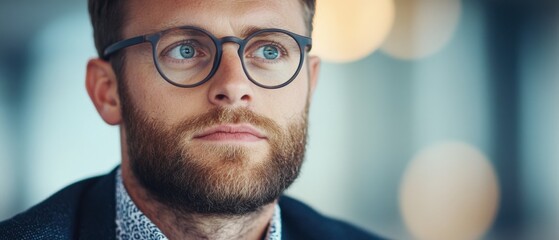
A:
186	57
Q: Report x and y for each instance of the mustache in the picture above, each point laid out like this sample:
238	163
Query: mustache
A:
220	115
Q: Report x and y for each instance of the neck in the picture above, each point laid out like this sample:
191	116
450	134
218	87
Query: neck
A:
177	225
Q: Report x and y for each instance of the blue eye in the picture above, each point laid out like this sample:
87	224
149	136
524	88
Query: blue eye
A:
268	52
187	51
184	51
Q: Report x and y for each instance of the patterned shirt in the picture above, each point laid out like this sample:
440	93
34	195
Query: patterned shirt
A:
131	223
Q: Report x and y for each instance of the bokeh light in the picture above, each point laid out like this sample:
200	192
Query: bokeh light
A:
421	27
350	30
449	191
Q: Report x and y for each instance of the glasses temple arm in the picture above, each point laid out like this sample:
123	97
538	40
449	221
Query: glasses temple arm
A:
122	44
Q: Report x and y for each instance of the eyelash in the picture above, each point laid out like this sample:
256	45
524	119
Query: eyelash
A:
280	47
199	51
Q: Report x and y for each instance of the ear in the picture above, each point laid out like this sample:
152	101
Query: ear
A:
102	87
314	69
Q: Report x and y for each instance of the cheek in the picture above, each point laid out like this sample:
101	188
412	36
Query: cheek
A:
157	99
289	102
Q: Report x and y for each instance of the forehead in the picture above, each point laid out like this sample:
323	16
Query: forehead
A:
221	17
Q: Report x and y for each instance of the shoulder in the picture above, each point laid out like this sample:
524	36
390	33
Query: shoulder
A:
56	217
299	221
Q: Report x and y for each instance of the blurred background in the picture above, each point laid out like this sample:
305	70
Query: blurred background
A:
433	119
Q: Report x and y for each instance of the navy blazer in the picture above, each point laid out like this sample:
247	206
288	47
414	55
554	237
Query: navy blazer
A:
86	210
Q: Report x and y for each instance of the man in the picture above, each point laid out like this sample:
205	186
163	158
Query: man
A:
211	98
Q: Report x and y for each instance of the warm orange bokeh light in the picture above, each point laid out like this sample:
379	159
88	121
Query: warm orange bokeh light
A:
350	30
449	191
422	27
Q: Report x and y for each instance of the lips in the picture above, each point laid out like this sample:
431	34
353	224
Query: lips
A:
242	132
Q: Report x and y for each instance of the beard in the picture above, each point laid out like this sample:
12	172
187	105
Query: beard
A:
212	179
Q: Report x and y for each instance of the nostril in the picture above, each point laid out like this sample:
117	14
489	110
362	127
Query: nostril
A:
245	98
220	97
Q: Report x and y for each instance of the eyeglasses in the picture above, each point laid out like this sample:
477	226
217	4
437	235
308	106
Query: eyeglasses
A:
189	56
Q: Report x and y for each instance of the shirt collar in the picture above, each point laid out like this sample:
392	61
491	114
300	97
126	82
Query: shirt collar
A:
131	223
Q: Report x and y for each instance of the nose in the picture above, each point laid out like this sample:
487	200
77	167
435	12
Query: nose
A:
229	86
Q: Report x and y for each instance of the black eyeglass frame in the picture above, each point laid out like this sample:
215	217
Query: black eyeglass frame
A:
305	45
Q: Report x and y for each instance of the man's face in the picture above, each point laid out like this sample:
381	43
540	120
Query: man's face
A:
227	146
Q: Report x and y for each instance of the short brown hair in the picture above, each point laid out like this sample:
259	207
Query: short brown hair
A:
107	18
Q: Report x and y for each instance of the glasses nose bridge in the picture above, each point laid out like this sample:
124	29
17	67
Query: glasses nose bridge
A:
232	39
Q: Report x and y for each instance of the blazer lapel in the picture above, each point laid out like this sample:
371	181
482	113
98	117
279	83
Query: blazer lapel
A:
98	213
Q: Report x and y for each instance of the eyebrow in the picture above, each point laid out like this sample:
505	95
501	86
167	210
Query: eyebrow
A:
166	26
246	29
250	29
